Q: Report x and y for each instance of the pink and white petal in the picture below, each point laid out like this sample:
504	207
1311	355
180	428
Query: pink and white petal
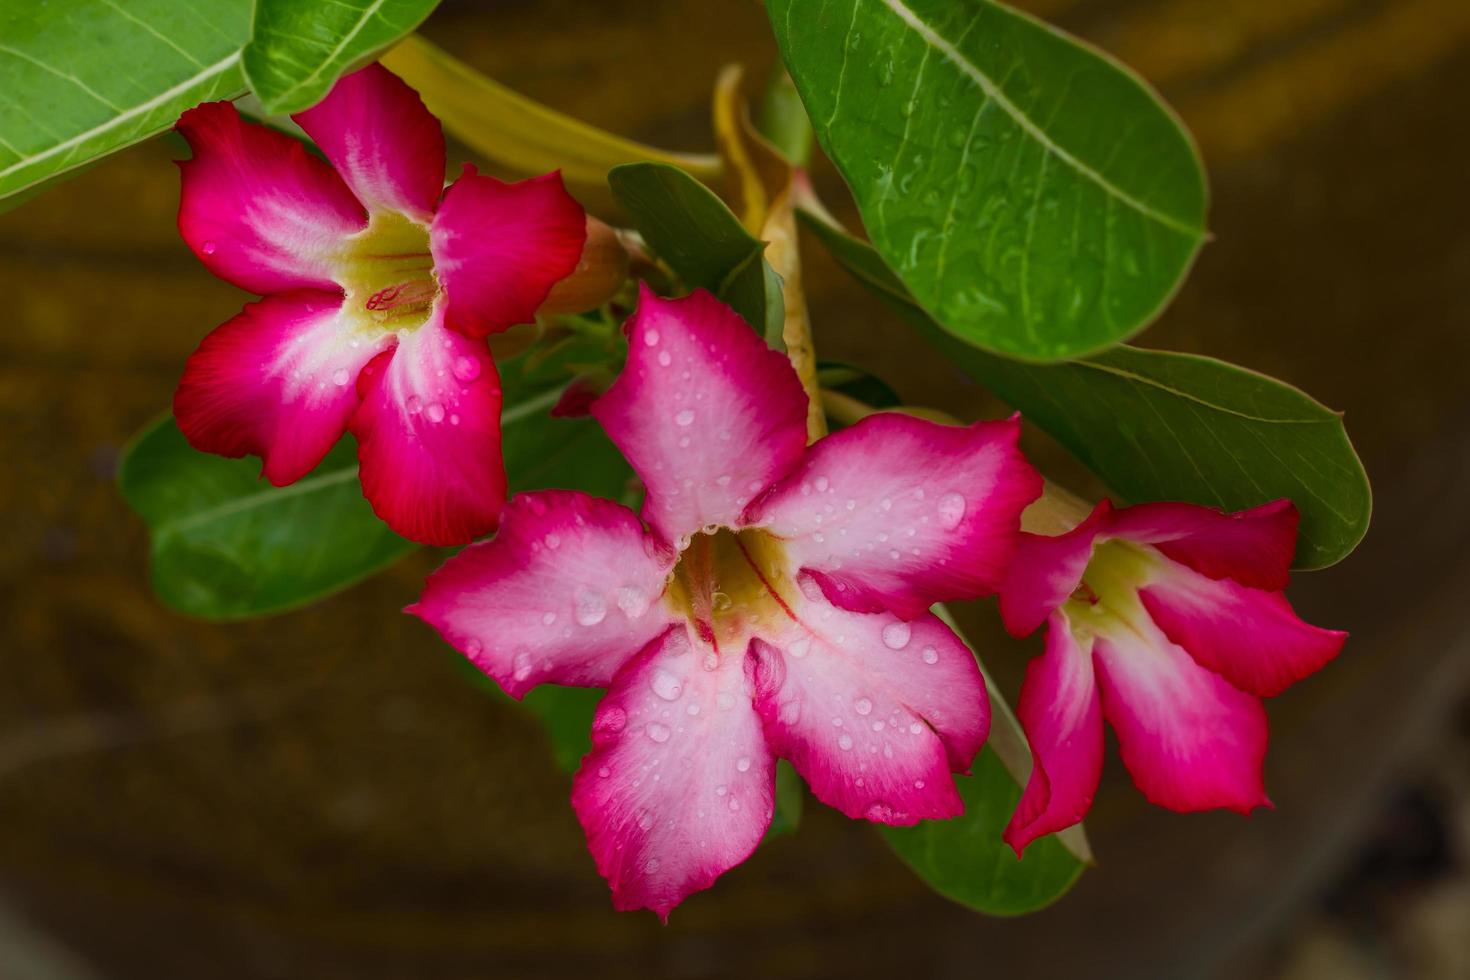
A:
428	433
1190	740
1254	547
566	592
679	786
1047	569
708	415
1062	717
499	248
382	140
1250	637
897	513
258	210
873	711
278	381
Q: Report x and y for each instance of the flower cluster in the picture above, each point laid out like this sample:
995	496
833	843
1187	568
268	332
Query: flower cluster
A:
772	598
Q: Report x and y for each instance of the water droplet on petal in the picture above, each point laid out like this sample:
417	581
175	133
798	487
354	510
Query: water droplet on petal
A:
665	358
666	685
743	763
918	784
435	412
658	732
844	741
863	706
650	866
896	635
951	510
684	417
645	819
340	377
915	728
798	648
604	772
930	655
548	618
650	337
466	368
414	404
591	607
821	484
886	504
208	248
521	664
473	648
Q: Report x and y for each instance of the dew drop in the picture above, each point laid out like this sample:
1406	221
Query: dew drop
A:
658	732
742	764
473	648
915	728
340	377
918	784
522	665
590	607
863	706
951	510
665	358
799	647
930	655
822	484
548	618
604	772
415	404
208	248
666	686
466	368
896	635
650	337
844	741
734	804
435	412
645	820
692	710
886	504
685	417
650	866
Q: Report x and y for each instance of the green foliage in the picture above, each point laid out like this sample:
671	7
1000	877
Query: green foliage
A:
68	94
298	48
227	545
1155	425
1036	197
700	238
964	859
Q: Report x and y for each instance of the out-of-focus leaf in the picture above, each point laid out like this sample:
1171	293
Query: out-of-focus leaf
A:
227	545
1155	425
854	382
1035	196
83	78
693	231
965	860
782	119
298	48
790	800
517	133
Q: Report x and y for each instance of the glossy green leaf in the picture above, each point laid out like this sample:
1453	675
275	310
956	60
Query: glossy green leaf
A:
1036	197
82	78
964	859
702	240
226	544
1155	425
790	800
299	47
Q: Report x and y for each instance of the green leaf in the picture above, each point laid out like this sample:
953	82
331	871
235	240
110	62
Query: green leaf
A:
700	238
300	47
227	545
82	78
1155	425
964	859
853	381
1035	196
790	800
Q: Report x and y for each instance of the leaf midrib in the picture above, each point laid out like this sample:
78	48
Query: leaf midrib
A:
993	91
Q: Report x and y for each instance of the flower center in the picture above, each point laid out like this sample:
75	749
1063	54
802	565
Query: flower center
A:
732	584
388	273
1108	593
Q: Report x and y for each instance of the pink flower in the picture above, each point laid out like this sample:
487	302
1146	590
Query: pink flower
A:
773	601
1168	620
378	296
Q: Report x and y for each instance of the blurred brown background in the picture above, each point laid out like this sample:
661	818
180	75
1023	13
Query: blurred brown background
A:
324	795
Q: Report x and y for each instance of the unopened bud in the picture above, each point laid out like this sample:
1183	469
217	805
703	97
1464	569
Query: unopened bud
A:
600	273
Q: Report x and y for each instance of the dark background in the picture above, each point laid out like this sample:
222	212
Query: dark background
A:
323	794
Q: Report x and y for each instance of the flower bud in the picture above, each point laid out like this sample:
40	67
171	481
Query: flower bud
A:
599	274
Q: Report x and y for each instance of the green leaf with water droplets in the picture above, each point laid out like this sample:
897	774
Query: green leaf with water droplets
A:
298	48
1156	425
82	78
1036	197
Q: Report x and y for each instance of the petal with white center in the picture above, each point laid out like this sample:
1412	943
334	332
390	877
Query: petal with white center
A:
278	381
1062	717
897	513
706	413
257	209
679	786
1190	740
428	433
566	593
382	140
873	711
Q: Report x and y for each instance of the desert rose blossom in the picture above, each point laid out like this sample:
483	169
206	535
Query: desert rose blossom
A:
380	287
1169	621
771	602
